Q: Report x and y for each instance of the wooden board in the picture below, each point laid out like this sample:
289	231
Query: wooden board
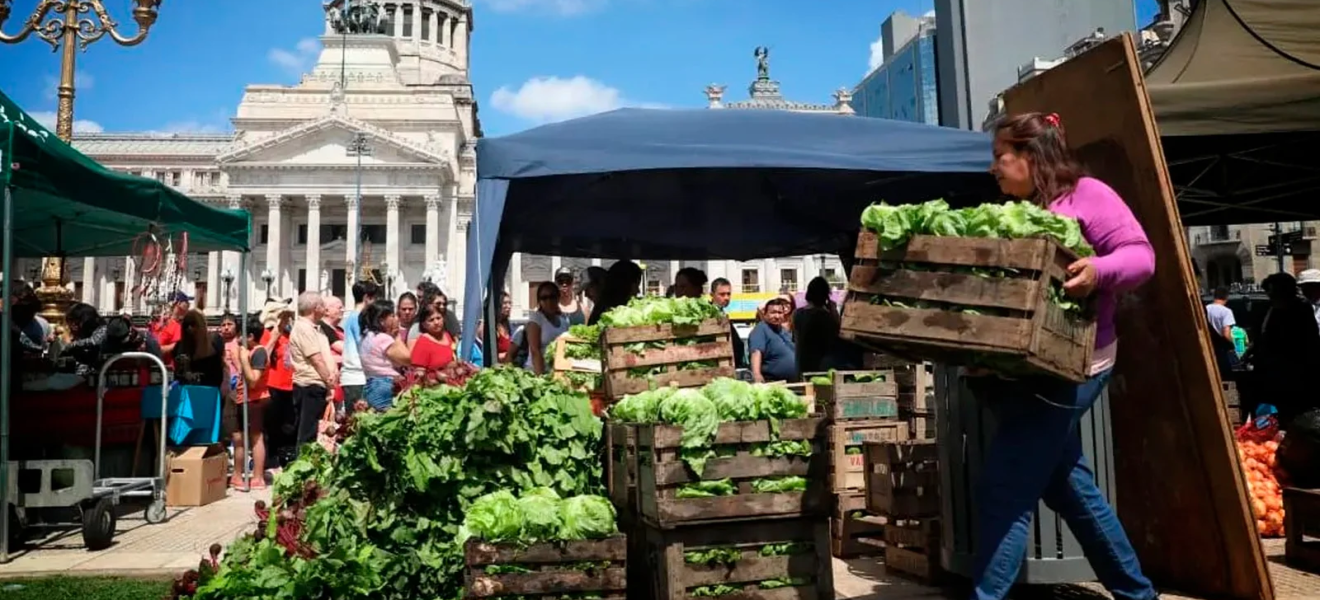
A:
670	359
674	577
661	472
552	567
848	471
902	479
1301	523
1181	497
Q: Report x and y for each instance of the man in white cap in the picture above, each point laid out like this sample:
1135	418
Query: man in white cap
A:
1309	281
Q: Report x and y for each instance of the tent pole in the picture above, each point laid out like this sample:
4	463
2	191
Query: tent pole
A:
6	381
1278	244
242	340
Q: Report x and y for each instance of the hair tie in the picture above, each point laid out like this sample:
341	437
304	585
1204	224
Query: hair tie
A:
1052	119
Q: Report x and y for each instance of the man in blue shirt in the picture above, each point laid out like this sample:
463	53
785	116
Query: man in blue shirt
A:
774	356
351	377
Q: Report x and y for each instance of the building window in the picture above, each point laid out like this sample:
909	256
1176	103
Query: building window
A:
302	234
654	287
788	280
832	276
751	281
1219	233
1310	232
426	24
334	232
264	235
407	21
418	234
373	233
302	280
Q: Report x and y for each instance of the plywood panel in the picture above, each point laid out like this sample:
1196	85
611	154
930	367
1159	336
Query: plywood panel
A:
1181	496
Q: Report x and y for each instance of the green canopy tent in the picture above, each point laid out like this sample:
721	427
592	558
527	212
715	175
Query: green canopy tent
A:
58	202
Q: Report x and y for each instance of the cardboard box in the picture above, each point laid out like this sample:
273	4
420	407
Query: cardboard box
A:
198	475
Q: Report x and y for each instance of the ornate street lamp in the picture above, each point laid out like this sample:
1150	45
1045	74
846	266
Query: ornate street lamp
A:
269	278
228	278
69	25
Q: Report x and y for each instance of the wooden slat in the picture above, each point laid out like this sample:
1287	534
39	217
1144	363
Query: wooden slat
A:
930	325
611	336
738	467
480	553
621	384
955	288
1182	499
739	432
557	583
968	252
620	357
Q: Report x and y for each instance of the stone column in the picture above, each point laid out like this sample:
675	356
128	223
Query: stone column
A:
89	280
392	240
398	21
455	249
517	288
274	227
104	297
229	260
351	246
130	277
314	243
461	39
769	279
434	18
214	304
433	232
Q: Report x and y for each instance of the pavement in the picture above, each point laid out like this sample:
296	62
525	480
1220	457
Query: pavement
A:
169	548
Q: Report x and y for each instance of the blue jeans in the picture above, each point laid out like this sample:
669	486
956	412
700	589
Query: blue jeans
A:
1037	455
379	393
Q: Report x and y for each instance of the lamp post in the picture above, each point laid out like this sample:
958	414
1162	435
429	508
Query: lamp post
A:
69	25
269	278
227	277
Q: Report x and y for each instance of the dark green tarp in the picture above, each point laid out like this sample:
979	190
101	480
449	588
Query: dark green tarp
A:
68	204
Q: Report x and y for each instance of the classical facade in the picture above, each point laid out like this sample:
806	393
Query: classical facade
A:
378	138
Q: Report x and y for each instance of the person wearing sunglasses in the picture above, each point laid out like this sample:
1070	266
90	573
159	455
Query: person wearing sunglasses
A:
547	322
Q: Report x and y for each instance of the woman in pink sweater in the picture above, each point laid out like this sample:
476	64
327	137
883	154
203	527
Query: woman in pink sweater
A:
1037	453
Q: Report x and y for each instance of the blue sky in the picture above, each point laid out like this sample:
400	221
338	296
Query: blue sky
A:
532	60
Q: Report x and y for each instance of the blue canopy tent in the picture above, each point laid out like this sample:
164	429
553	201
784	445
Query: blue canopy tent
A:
702	184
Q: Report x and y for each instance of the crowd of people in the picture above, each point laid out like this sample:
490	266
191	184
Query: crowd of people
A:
1271	354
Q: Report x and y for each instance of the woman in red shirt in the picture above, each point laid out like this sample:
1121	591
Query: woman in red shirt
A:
434	349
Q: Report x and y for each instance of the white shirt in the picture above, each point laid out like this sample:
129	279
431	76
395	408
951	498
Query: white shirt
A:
549	332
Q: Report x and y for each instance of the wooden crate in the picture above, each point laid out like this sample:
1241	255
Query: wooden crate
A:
621	469
618	347
848	471
677	579
1301	520
661	472
552	566
1027	333
563	364
847	398
902	479
911	563
921	426
916	388
852	535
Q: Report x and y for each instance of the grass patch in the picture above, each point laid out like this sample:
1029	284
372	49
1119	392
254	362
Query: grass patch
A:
83	588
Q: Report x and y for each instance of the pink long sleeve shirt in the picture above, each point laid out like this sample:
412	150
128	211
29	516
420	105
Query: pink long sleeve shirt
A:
1123	259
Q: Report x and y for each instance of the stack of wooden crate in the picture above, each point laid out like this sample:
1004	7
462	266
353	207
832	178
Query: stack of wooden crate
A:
902	485
548	570
916	399
859	407
760	544
639	358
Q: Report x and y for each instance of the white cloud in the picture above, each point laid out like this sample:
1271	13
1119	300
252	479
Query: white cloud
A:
877	53
82	81
548	99
298	60
559	7
47	118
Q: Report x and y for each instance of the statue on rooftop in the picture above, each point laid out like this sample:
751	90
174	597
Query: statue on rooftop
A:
762	55
355	16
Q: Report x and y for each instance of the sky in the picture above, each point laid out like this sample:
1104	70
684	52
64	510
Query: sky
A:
533	61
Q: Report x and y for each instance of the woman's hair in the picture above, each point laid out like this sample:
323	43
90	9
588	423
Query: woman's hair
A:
254	328
373	316
1040	138
26	305
424	314
620	280
500	317
818	291
409	296
229	318
85	317
195	338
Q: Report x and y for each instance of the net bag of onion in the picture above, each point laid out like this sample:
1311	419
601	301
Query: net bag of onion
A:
1258	446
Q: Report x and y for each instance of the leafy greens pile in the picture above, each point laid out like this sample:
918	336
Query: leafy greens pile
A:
393	499
538	516
700	412
585	345
895	225
658	310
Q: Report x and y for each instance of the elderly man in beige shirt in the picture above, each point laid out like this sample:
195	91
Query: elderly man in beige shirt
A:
314	370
